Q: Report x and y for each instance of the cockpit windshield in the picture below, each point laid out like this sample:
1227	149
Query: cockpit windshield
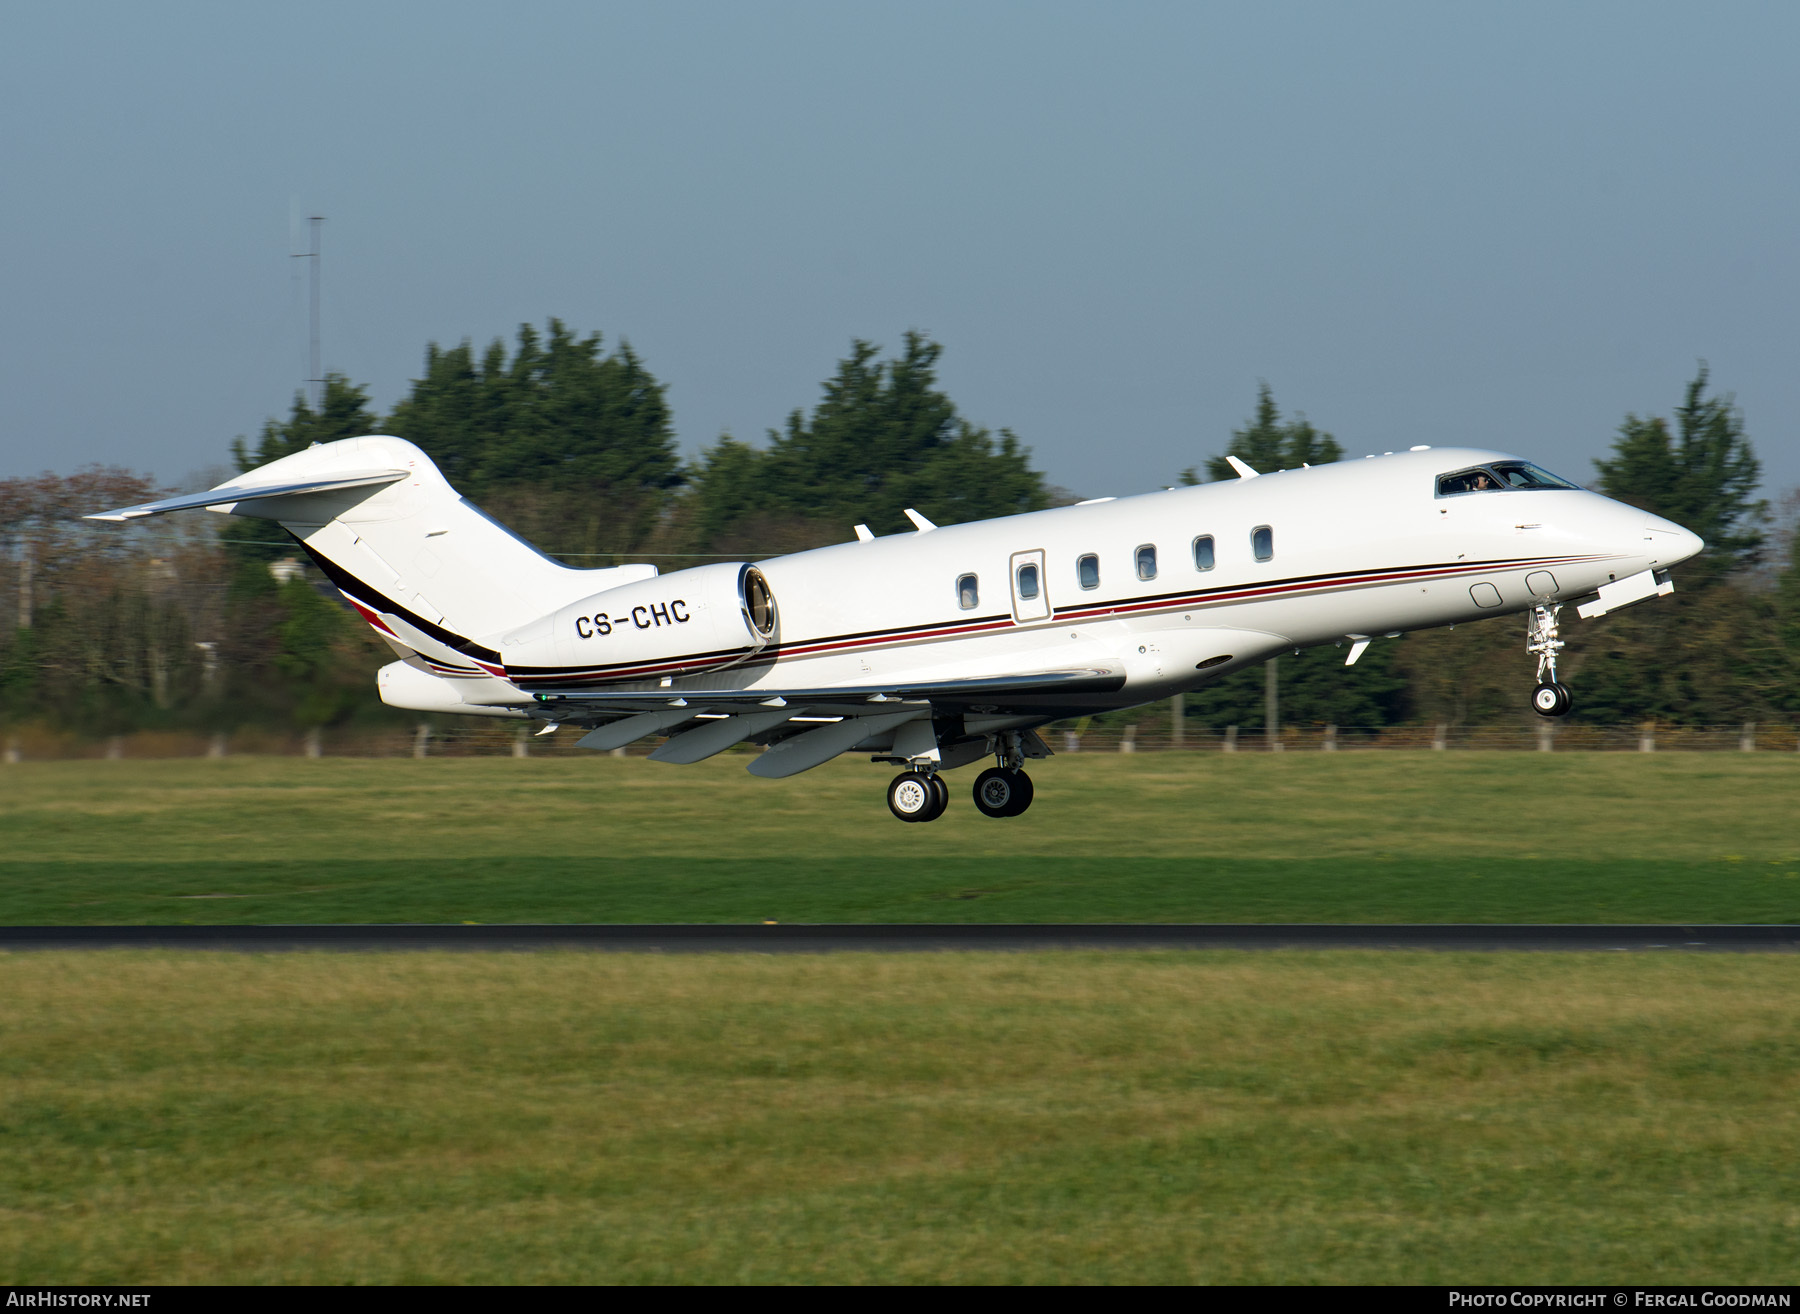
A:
1500	477
1523	474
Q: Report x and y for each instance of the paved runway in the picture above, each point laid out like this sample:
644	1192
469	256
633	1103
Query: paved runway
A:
887	938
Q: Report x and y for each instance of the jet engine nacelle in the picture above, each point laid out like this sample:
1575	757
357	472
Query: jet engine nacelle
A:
691	621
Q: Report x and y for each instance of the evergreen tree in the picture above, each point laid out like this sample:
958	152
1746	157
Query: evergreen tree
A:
882	439
1316	688
1703	476
1787	601
1267	444
343	413
576	449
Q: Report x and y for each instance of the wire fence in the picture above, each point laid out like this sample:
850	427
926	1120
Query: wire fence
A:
435	739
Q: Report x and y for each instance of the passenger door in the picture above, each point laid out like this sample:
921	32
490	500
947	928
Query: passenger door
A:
1030	586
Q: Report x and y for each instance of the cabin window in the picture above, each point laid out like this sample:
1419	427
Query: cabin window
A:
1028	581
1087	571
1262	542
968	594
1203	552
1146	561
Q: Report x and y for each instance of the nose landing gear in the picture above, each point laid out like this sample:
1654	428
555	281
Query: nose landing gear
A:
1551	697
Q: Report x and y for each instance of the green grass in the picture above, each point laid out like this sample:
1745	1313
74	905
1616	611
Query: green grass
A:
1283	1117
1169	837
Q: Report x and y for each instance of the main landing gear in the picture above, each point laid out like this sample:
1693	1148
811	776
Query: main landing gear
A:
920	794
1002	792
1551	697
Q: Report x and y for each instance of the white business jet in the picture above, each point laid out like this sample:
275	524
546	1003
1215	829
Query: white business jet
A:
941	647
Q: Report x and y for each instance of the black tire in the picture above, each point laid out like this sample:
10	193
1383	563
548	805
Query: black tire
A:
1027	792
911	797
1551	700
1002	793
941	788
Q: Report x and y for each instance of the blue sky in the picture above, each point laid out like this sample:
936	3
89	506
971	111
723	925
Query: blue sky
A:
1505	224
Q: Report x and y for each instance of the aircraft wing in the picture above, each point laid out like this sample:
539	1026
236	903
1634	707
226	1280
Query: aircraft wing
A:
806	727
1042	691
229	494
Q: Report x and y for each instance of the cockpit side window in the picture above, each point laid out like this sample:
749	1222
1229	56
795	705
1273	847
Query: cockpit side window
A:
1478	480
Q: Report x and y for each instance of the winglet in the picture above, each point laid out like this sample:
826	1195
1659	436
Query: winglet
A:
1243	470
924	525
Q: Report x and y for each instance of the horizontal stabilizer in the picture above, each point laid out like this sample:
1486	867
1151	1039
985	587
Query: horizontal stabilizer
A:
230	493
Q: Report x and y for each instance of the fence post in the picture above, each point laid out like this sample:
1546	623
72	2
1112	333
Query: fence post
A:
1440	738
1272	704
115	748
1178	721
521	745
13	755
421	740
1071	742
1747	740
1330	744
315	746
1230	745
1546	733
1647	737
1128	741
216	746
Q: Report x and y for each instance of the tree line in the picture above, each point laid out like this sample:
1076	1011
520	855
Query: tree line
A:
213	622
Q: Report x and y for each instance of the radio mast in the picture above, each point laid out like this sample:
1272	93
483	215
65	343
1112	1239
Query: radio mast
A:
316	377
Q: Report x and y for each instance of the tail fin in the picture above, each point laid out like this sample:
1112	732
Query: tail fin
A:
431	572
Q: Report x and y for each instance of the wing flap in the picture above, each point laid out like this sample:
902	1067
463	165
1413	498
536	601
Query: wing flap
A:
803	752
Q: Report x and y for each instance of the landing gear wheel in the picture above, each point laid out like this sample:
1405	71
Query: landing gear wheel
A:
1551	699
940	789
1002	793
915	796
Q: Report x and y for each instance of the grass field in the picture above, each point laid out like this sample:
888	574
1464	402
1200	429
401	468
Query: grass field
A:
1282	1117
1052	1117
1165	837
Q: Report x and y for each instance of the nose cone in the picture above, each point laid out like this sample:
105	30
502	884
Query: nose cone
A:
1669	542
